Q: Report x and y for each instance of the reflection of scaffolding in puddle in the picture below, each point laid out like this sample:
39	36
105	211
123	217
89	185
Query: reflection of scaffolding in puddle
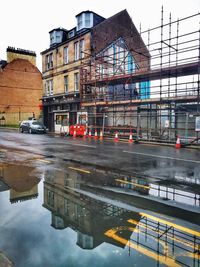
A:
157	190
179	244
174	194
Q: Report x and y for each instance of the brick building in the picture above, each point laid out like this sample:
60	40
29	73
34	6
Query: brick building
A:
70	52
20	86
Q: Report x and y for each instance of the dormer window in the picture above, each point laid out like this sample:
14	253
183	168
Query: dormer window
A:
84	20
57	36
71	34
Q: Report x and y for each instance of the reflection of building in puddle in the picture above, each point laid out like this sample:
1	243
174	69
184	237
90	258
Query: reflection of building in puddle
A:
90	218
161	191
97	220
21	181
3	185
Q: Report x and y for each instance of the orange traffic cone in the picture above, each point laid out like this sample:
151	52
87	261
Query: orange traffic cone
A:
178	142
84	134
74	134
95	135
90	134
116	137
101	135
131	137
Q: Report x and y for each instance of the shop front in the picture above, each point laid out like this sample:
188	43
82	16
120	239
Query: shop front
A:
61	123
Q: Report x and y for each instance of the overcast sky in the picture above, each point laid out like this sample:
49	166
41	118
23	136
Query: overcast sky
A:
26	24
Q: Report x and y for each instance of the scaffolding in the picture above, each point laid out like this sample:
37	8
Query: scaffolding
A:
151	90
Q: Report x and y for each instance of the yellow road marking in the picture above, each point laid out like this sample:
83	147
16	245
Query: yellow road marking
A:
192	255
39	157
179	227
79	170
139	185
112	233
43	160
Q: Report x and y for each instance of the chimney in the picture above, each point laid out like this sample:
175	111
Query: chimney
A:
15	53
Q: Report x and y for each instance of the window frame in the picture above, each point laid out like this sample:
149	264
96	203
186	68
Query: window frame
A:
66	84
87	20
81	48
66	55
80	22
49	87
76	51
49	61
76	82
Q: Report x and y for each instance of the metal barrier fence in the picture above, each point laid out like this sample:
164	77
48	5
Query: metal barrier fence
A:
144	124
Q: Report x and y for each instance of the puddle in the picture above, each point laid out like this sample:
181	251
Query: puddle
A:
79	215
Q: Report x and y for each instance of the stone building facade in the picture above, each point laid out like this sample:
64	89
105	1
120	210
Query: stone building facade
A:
71	50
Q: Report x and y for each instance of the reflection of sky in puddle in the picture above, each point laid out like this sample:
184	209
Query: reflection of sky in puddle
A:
28	239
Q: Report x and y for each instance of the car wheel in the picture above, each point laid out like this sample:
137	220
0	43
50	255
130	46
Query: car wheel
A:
21	130
30	131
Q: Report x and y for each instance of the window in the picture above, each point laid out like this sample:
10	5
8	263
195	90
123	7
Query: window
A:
87	20
82	47
66	84
49	61
51	38
65	55
80	22
76	51
50	198
71	34
76	82
66	206
58	37
49	87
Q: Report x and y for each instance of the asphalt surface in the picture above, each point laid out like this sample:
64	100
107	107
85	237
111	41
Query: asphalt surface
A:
156	161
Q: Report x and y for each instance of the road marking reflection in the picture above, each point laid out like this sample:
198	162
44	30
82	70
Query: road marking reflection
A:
179	227
112	233
79	170
138	185
177	239
44	160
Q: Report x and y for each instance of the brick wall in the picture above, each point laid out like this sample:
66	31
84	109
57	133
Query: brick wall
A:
20	88
120	25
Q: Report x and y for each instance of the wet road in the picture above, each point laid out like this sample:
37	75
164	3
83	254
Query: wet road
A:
66	202
155	161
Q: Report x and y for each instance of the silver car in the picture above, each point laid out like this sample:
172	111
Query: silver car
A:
32	126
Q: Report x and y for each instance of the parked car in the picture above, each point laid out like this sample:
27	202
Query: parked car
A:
32	126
